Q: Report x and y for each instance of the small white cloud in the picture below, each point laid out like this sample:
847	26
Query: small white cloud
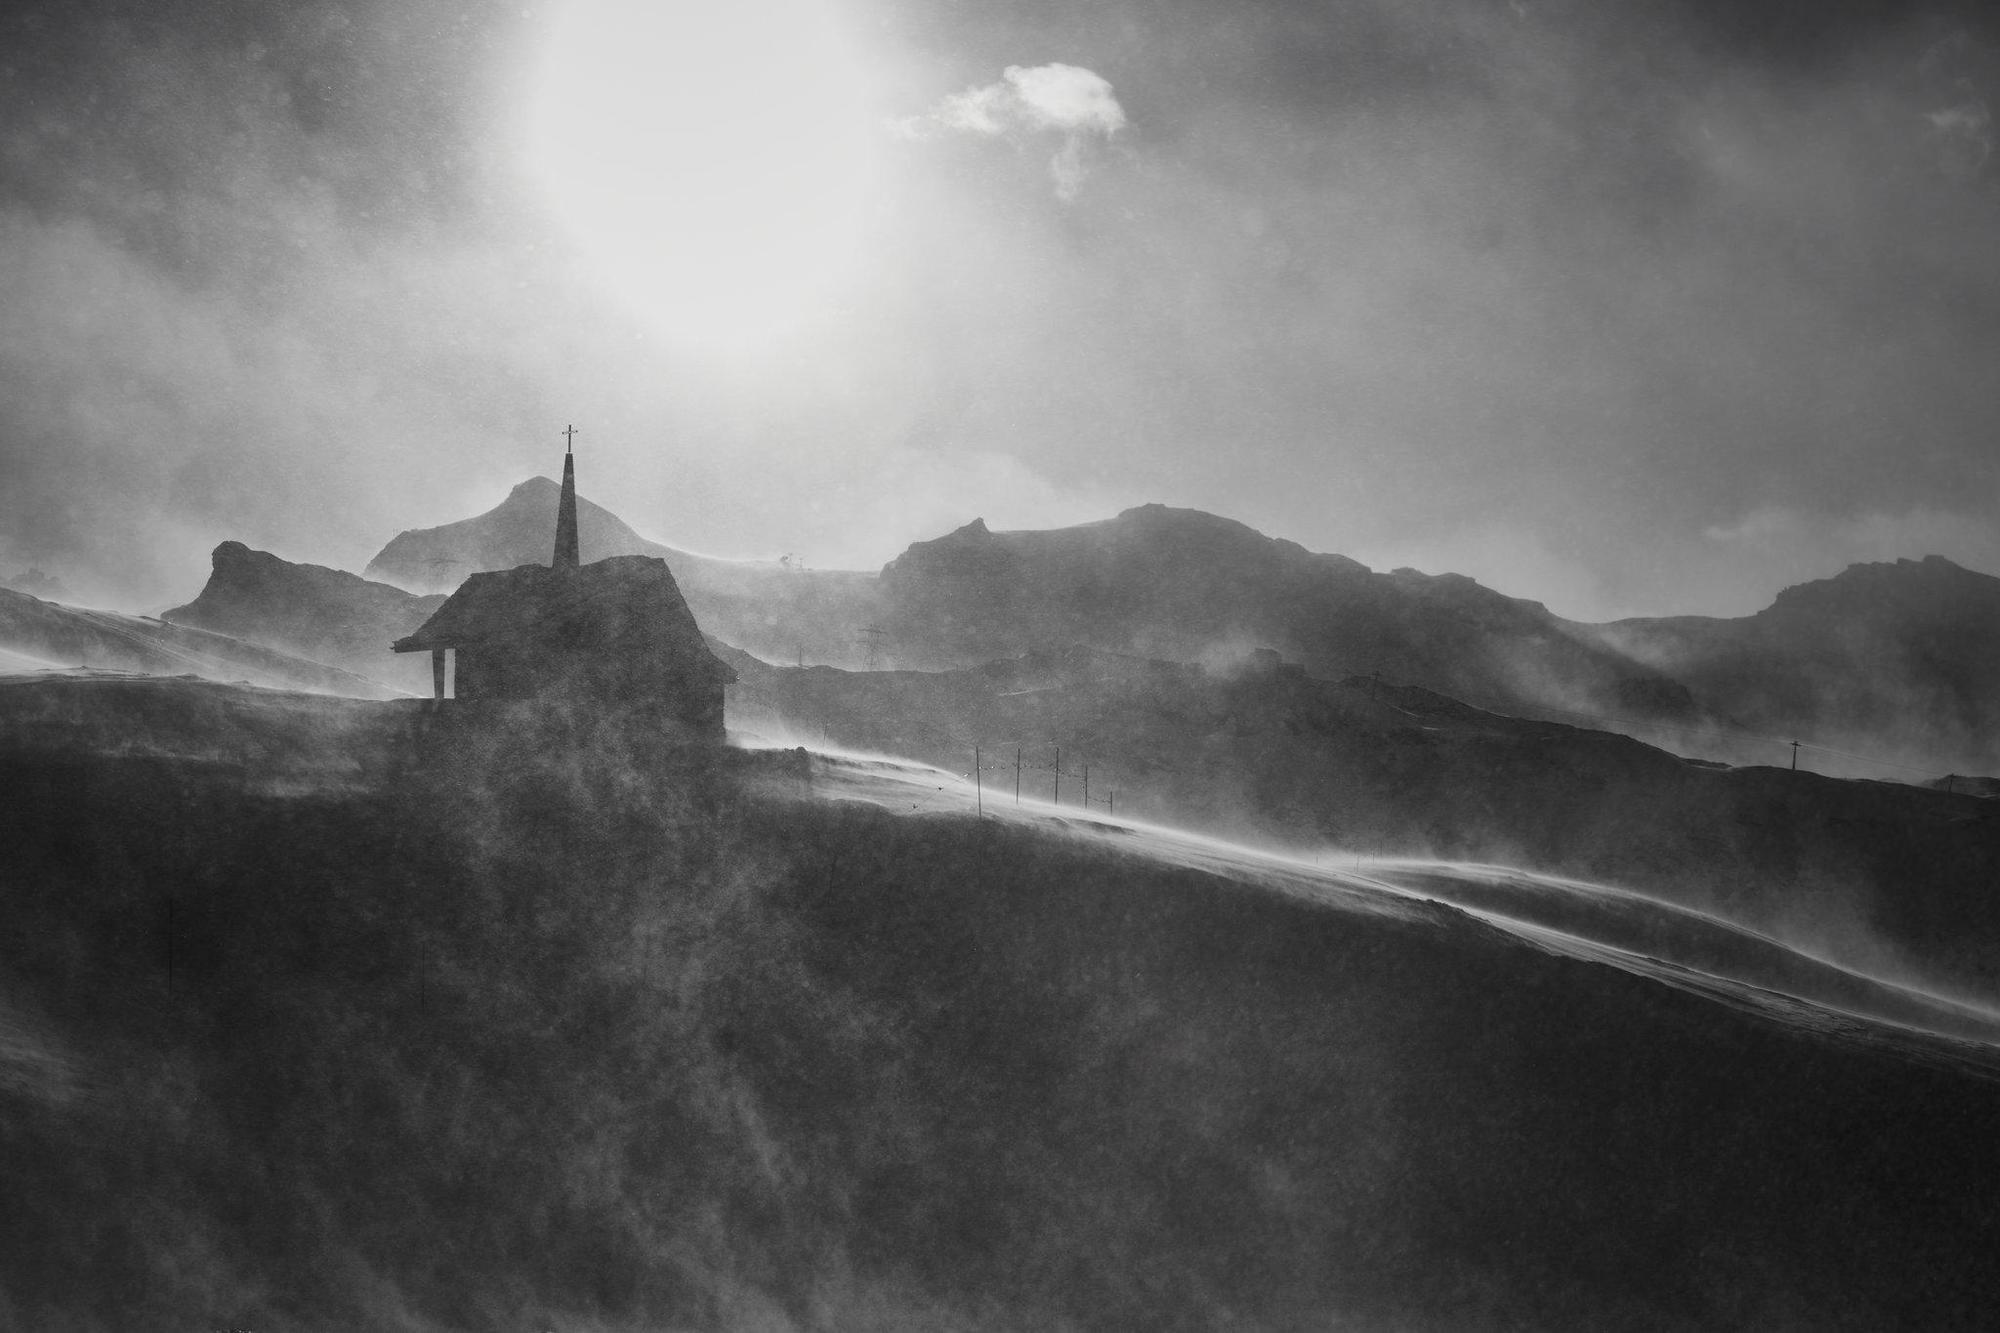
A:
987	110
1067	100
1066	97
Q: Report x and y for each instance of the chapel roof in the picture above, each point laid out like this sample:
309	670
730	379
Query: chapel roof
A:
615	603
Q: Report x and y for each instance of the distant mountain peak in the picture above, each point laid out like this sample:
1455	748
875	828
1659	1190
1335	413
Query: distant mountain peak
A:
520	530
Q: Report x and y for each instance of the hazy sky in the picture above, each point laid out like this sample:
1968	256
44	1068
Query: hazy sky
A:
1632	308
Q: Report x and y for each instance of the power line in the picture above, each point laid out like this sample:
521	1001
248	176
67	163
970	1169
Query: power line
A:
1513	709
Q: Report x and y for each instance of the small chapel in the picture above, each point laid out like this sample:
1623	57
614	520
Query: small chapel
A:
611	636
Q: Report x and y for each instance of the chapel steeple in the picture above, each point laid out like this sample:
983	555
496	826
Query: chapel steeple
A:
566	550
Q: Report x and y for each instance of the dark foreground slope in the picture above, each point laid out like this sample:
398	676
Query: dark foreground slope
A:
484	1034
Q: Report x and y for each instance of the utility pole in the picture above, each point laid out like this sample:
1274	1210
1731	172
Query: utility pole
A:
871	635
978	795
1795	756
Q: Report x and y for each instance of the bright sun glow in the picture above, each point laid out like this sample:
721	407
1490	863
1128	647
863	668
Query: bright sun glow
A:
712	159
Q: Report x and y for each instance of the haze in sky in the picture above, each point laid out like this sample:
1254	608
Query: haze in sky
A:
1633	308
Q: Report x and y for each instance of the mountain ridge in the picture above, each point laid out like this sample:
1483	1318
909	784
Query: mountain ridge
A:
1884	661
328	615
1187	585
1890	656
437	559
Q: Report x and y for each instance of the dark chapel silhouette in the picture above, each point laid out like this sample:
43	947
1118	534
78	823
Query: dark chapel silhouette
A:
611	636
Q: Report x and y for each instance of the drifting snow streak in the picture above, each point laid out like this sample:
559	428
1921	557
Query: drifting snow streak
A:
1679	946
13	662
30	1064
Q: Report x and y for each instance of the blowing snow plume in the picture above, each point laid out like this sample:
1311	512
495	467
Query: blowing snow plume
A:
1645	935
1066	100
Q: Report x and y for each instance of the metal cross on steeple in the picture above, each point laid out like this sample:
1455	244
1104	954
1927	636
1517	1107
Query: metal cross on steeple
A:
569	439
